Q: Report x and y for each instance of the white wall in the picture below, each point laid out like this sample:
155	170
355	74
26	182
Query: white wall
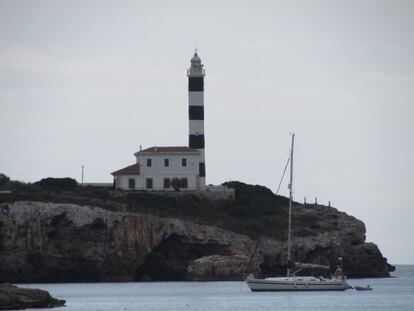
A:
158	171
122	182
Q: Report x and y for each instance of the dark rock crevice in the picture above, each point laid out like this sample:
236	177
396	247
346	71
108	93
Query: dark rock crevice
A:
170	259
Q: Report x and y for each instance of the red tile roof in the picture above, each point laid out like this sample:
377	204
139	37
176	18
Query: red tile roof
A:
129	170
168	150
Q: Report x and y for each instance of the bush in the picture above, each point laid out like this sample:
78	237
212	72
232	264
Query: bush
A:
57	183
176	184
254	230
16	185
4	180
1	236
307	220
239	211
305	232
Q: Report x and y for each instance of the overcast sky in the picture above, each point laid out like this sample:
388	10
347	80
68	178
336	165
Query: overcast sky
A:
87	82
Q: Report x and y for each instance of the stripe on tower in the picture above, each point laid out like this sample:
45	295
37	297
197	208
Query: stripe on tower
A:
196	84
196	112
196	141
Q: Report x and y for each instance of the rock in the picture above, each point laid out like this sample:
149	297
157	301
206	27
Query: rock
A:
217	267
47	242
365	260
51	242
15	298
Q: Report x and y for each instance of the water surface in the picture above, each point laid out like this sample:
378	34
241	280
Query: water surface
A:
389	294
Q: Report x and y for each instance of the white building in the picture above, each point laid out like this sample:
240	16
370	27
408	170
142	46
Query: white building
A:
157	167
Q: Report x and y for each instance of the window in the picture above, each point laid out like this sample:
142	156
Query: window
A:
131	183
184	162
166	162
149	162
149	183
166	183
202	169
183	183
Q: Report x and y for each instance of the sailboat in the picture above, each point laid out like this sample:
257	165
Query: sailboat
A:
291	282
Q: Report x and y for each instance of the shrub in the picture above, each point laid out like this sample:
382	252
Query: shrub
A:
57	183
1	236
240	211
176	184
307	219
4	180
305	232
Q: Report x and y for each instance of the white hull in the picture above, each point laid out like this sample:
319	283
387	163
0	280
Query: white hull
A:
296	284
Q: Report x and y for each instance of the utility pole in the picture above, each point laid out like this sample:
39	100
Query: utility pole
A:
82	173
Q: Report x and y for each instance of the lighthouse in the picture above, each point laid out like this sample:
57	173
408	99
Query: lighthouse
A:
173	168
196	113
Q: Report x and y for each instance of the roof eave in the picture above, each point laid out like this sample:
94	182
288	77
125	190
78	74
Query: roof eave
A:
167	152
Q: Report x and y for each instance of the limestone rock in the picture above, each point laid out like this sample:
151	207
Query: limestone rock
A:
217	267
15	298
47	242
52	242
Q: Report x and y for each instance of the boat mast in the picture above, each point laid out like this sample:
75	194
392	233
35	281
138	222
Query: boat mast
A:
290	204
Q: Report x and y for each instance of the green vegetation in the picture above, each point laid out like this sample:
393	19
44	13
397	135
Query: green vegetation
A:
256	210
176	184
4	180
57	184
1	237
13	185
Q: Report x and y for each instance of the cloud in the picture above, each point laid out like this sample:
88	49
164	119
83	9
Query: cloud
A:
389	78
23	62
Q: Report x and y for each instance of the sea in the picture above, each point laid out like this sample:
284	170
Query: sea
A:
389	294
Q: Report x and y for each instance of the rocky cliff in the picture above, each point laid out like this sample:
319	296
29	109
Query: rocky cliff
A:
54	242
47	242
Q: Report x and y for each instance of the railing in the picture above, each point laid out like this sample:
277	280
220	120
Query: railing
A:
196	72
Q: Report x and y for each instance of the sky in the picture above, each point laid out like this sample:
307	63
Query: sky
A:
88	82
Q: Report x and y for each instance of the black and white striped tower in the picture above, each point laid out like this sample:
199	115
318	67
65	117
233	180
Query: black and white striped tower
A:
196	113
